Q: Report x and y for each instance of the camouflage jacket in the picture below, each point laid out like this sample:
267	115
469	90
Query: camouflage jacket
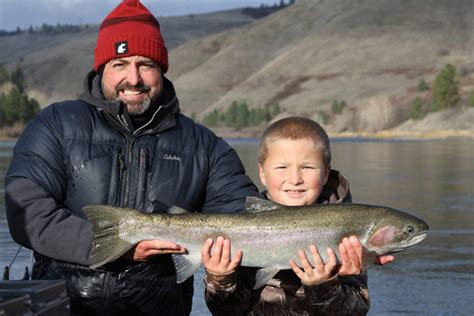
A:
233	294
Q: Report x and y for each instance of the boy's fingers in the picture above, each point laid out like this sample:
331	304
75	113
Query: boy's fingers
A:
225	251
217	250
332	262
236	260
304	261
296	269
318	262
206	250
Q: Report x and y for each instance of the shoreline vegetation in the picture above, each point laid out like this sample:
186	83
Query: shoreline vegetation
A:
12	133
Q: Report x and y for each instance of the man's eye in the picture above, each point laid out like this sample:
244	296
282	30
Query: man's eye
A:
308	167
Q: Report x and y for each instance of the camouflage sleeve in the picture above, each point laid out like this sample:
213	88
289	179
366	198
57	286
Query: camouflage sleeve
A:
347	295
230	294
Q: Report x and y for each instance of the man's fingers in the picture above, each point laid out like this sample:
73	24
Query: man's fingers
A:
345	260
353	257
381	260
358	248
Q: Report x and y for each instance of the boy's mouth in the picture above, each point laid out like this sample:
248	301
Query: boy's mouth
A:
294	192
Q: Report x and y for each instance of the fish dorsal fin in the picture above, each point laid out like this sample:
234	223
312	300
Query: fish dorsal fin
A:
264	275
177	210
257	205
186	265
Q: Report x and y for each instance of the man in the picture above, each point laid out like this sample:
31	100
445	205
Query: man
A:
122	143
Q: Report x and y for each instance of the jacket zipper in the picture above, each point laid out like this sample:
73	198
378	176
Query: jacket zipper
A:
128	177
142	175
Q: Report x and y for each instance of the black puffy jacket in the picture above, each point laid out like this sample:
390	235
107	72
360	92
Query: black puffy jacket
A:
82	152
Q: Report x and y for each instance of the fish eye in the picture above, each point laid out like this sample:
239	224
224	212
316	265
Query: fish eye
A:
409	229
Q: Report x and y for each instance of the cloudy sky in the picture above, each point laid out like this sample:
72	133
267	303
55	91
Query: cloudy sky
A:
23	13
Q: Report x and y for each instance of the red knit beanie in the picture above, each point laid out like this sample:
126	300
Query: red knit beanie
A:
130	29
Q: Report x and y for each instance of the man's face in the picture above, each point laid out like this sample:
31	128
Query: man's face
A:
294	172
136	81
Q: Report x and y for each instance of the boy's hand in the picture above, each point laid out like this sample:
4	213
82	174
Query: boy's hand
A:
219	262
320	272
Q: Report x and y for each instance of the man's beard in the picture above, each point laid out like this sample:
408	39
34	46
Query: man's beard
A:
133	108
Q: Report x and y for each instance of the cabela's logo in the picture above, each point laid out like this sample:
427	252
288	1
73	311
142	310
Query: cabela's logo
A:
171	157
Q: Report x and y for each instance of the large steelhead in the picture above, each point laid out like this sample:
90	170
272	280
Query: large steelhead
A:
269	234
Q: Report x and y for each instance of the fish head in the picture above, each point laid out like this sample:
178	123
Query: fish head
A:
395	232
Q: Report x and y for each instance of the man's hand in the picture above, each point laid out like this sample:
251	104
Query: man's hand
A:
146	249
351	251
219	262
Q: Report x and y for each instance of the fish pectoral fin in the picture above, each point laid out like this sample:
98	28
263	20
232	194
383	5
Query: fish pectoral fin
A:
264	275
368	258
186	265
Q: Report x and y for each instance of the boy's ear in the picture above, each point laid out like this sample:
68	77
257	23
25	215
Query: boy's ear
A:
326	174
261	173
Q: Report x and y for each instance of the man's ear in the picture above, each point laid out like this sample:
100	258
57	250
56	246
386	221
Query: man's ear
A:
261	173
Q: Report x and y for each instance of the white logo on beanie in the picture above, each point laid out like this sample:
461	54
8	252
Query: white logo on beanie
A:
121	48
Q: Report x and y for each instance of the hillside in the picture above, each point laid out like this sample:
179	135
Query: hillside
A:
55	64
371	54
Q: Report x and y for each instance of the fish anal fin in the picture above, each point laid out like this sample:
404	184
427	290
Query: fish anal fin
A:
186	265
264	275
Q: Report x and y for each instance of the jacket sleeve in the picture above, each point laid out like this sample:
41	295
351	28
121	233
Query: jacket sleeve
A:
230	294
34	190
347	295
228	185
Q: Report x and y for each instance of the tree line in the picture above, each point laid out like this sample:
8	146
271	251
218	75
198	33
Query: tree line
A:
15	105
46	29
239	115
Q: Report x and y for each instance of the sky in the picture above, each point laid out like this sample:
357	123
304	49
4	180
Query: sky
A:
23	13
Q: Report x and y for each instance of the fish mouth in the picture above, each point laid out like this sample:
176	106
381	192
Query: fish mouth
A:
410	243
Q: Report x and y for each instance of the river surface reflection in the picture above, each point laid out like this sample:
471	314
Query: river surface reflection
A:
431	179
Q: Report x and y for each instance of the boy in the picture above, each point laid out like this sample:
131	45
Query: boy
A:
295	167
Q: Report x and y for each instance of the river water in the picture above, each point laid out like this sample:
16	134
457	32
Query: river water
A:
431	179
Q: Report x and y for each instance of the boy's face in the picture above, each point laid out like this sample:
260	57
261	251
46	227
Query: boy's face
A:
294	172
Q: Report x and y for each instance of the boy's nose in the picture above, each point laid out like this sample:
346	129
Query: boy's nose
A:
295	177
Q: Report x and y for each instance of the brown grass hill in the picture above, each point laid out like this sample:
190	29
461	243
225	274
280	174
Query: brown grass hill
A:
55	63
371	54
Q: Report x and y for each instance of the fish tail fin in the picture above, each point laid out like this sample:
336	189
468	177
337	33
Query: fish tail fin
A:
107	245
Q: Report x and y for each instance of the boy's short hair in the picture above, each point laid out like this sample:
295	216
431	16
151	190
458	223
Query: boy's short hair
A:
296	128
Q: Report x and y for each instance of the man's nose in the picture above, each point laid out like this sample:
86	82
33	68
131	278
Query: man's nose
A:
133	75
